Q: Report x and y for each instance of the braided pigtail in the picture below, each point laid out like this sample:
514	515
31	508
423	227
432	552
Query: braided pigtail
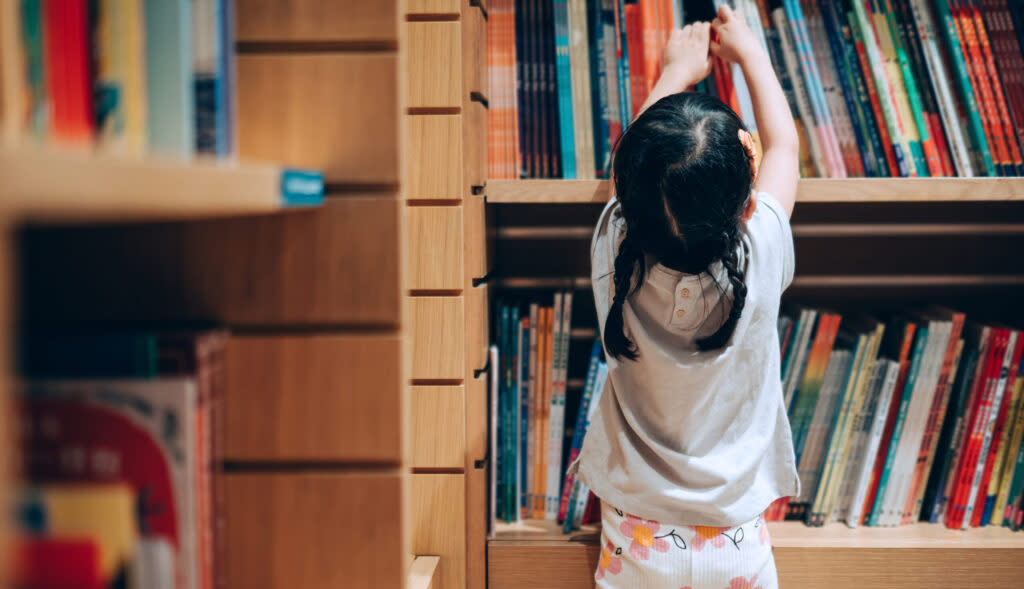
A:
615	340
739	296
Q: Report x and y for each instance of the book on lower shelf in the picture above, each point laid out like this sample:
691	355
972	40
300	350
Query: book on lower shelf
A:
130	423
908	417
896	88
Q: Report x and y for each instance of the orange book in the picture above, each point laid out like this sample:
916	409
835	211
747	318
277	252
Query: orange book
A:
543	411
650	31
997	88
635	39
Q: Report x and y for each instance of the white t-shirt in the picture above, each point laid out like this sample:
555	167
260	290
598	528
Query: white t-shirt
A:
687	436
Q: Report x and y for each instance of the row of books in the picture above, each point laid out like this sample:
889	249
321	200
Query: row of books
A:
118	438
918	418
130	77
877	87
533	441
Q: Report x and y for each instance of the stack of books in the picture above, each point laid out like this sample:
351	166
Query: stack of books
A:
119	433
917	418
877	87
130	78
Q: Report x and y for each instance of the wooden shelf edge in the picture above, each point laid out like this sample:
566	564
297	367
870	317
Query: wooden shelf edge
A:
821	190
421	573
791	535
69	186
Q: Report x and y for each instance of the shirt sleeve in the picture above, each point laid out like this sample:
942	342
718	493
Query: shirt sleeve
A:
773	235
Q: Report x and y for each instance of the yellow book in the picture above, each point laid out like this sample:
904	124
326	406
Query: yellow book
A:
104	513
908	130
131	45
12	84
1008	452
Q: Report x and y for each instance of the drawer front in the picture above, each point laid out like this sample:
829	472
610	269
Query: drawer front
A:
300	110
435	157
296	398
476	529
435	248
439	525
475	142
316	20
432	6
476	419
315	531
434	51
438	426
477	264
438	338
474	59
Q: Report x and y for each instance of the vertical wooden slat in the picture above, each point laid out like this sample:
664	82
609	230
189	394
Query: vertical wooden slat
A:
438	426
357	21
434	53
435	157
438	335
434	7
439	524
435	248
474	51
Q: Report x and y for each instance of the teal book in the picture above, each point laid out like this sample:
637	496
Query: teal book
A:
564	84
171	112
37	100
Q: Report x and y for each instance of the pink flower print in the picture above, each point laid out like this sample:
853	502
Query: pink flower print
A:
708	535
763	534
642	532
744	583
609	562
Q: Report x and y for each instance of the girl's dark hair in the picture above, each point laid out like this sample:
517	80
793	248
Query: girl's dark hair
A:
682	177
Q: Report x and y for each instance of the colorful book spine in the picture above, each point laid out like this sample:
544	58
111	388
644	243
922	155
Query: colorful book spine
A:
579	430
1014	163
577	507
523	438
1016	428
171	112
565	96
1001	439
68	80
622	51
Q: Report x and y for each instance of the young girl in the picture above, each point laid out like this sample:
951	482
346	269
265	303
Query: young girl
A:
691	443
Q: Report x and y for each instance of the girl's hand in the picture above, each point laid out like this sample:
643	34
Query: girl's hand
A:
687	60
736	42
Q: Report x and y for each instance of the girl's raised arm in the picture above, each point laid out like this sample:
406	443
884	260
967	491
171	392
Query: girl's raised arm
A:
779	169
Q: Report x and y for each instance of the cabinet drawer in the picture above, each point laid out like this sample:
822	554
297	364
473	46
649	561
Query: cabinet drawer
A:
305	398
434	51
300	110
476	419
316	20
474	58
435	248
439	525
315	531
475	143
438	426
438	338
435	157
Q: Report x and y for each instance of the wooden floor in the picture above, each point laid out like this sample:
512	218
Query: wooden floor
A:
534	555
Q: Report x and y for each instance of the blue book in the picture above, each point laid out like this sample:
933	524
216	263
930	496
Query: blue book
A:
859	85
169	83
226	119
599	86
577	434
501	460
515	384
564	78
908	389
524	415
210	54
622	45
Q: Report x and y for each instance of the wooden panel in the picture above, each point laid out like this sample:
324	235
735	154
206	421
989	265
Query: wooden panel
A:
439	525
474	116
477	326
438	426
477	264
547	566
438	337
315	531
434	53
434	157
316	20
336	265
432	6
476	528
301	111
474	56
476	419
421	573
306	398
435	248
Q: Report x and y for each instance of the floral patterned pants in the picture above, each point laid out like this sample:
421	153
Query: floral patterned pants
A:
638	553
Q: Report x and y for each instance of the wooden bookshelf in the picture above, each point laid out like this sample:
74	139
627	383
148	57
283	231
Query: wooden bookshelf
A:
537	554
849	190
43	186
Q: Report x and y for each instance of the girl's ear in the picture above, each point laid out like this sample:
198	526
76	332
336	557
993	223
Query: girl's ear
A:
748	210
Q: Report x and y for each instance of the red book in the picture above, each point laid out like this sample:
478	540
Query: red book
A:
876	108
935	414
68	72
890	420
651	34
57	563
937	131
993	450
984	389
1008	58
635	36
999	96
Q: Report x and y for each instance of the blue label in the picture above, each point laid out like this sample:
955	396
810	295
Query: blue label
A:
301	188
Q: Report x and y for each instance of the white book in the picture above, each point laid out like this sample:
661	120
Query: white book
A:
917	413
808	321
858	442
873	439
940	84
989	419
582	104
803	98
836	373
556	422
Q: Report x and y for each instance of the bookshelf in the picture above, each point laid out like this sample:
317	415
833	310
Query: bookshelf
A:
811	190
43	186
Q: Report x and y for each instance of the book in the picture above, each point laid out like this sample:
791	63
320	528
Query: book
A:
873	427
579	69
170	113
579	431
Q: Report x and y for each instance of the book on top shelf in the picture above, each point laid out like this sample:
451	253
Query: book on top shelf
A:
888	88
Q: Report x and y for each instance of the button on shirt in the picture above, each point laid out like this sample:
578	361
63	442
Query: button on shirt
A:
689	436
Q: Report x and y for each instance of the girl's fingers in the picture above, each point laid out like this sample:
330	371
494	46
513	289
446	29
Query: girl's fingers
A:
717	24
725	13
714	48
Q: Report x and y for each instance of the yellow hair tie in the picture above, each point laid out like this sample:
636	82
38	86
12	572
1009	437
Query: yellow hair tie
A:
748	143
